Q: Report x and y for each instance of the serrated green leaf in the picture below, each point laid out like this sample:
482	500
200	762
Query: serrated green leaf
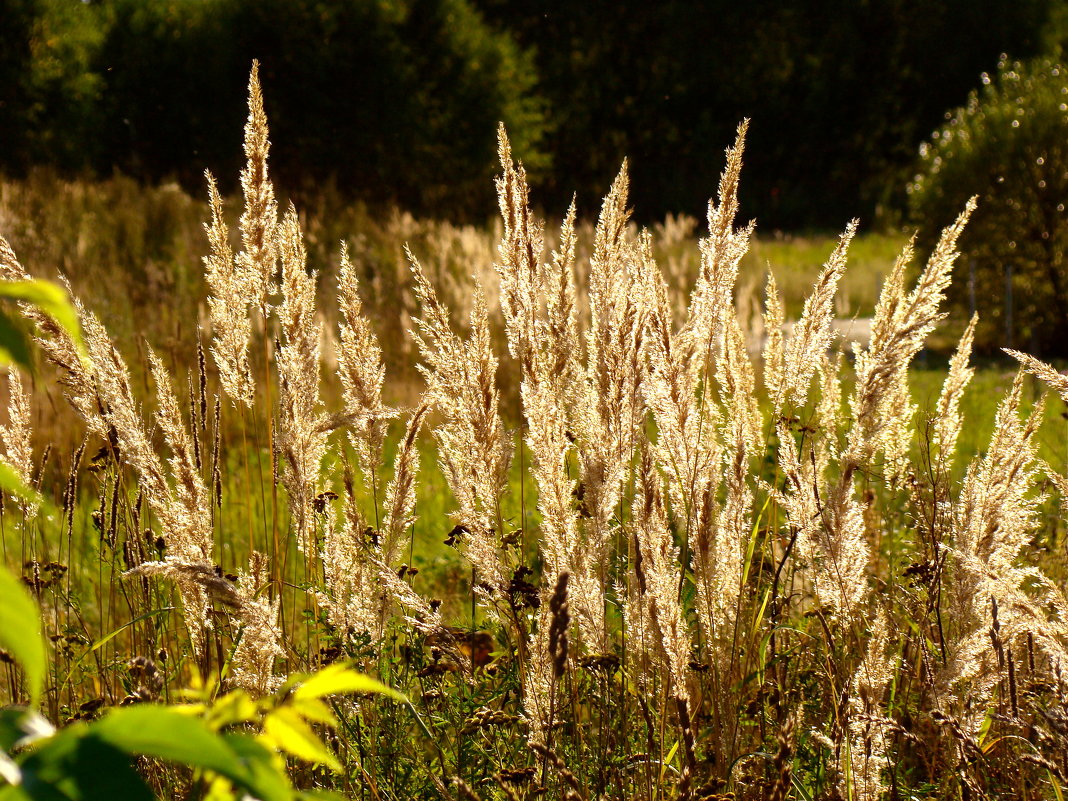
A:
339	679
20	632
285	729
51	299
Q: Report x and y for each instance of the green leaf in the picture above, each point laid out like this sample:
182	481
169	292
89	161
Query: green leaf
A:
168	734
20	727
1056	786
314	710
20	632
267	783
286	730
339	679
14	344
234	707
79	766
9	771
11	482
51	299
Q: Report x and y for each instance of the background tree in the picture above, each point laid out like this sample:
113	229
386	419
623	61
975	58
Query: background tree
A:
397	101
840	94
1009	145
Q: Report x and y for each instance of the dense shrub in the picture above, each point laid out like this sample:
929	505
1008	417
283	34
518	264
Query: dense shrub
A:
1009	145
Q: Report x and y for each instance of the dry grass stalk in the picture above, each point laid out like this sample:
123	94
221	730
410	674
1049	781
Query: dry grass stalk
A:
813	333
360	563
869	725
774	353
192	494
242	283
15	436
687	446
786	738
1057	381
947	420
993	520
76	373
362	375
185	521
658	556
522	275
607	402
901	324
256	263
228	306
539	308
259	637
474	448
302	436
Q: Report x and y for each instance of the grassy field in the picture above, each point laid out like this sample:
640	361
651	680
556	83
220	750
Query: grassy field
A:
602	547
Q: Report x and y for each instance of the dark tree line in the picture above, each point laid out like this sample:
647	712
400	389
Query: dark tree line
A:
840	93
396	101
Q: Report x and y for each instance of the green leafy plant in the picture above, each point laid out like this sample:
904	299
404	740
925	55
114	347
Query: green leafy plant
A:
15	347
232	743
1009	146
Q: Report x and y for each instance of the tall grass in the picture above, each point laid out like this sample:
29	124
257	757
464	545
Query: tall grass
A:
665	566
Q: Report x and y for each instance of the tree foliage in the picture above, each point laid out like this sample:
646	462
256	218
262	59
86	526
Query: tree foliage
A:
1009	145
396	101
840	94
375	95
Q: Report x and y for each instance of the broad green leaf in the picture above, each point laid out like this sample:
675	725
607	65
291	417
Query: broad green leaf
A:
51	299
14	344
12	483
20	632
286	729
20	727
77	765
165	733
339	679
